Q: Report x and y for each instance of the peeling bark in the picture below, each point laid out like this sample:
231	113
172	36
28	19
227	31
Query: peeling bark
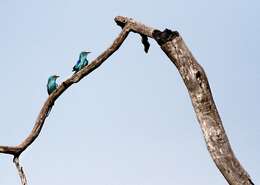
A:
195	80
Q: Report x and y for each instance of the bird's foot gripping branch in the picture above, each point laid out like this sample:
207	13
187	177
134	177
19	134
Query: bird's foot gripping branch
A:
197	85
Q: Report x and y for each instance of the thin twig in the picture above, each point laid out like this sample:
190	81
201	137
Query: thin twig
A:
20	171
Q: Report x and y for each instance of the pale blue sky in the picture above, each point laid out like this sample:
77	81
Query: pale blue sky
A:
130	122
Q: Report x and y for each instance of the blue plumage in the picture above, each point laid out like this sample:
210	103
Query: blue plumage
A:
82	62
52	85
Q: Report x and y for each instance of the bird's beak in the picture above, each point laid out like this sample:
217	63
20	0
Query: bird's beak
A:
57	76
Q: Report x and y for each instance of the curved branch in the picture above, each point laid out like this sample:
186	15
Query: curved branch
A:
17	150
198	87
195	80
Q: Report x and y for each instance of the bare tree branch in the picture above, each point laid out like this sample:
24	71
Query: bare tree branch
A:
17	150
20	171
195	80
198	87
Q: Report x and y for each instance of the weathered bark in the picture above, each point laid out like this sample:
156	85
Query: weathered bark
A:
195	80
198	87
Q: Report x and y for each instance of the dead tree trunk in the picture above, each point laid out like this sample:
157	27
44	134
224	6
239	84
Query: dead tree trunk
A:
195	80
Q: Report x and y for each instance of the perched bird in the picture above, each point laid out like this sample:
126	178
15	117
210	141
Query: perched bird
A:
82	62
52	84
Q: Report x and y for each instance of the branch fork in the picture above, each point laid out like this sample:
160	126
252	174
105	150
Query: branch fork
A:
197	85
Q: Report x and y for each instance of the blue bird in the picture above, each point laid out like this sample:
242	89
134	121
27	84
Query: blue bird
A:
52	84
82	62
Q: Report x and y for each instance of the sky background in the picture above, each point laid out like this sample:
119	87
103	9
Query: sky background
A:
130	122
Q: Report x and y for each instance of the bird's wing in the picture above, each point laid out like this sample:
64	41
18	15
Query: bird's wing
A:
48	89
78	62
76	66
85	62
